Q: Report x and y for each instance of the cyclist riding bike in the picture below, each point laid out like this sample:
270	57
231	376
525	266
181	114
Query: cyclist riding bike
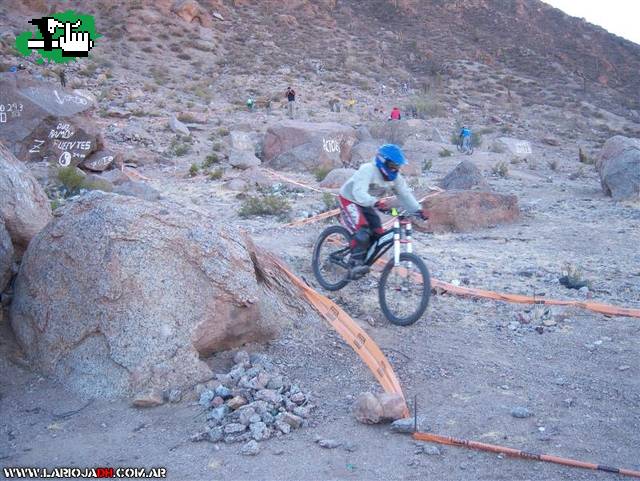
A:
362	193
465	138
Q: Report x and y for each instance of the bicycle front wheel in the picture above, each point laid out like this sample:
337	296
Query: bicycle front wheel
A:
404	290
330	258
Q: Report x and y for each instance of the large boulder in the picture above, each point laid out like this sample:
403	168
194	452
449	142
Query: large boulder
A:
336	178
464	176
66	142
363	152
243	159
6	256
305	146
459	211
118	295
37	124
619	168
516	147
102	160
191	11
24	207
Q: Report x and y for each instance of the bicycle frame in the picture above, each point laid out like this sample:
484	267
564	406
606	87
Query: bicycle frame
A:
399	234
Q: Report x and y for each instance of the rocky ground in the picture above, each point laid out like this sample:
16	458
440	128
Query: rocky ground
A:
469	363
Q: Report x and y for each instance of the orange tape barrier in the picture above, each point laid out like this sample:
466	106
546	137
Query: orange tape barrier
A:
277	175
516	453
353	334
600	308
606	309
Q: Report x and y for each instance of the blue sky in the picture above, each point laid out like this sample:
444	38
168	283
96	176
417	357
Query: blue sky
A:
621	17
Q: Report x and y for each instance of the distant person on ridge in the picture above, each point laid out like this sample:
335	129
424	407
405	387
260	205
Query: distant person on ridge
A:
291	98
395	114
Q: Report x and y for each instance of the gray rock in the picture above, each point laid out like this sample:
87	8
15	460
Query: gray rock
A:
140	190
282	426
619	168
275	383
243	160
250	449
521	412
101	160
405	425
269	395
218	414
206	397
215	434
178	127
245	415
241	357
268	418
329	443
24	206
223	391
174	396
234	428
259	431
428	449
516	147
302	411
6	256
465	176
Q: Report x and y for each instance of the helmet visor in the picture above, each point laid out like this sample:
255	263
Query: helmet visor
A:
391	165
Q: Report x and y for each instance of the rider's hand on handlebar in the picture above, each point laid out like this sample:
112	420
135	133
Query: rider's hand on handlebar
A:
382	206
422	214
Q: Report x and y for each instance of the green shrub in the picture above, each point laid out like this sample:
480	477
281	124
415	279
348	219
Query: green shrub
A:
180	146
329	201
216	174
210	159
501	169
264	205
321	172
223	131
216	147
193	170
70	178
424	106
584	158
427	164
444	153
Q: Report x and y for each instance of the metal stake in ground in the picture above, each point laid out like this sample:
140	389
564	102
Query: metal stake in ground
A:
516	453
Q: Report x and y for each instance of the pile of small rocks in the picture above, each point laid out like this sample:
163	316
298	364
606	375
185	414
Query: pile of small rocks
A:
252	402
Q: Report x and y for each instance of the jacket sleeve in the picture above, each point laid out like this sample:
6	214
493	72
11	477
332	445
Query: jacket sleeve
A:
361	181
405	195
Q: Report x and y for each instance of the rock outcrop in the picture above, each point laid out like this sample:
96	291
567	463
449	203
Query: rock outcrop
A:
118	295
619	168
464	176
304	146
24	206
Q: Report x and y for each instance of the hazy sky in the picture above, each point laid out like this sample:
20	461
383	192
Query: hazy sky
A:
617	16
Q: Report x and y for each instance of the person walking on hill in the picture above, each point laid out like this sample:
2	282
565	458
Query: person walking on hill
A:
395	114
291	99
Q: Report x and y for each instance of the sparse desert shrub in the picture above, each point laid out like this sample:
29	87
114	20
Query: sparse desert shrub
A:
584	158
578	174
216	174
476	139
501	169
553	164
97	184
444	153
223	131
180	146
70	178
184	56
498	148
193	170
264	205
321	172
216	147
329	201
427	164
424	106
212	158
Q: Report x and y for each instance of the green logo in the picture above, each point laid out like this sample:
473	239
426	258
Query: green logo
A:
61	38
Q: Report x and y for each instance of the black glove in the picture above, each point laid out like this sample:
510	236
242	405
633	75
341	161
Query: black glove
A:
422	214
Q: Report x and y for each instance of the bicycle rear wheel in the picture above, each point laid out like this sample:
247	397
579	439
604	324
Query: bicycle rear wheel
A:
330	260
404	290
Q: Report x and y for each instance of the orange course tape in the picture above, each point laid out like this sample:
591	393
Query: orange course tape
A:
353	334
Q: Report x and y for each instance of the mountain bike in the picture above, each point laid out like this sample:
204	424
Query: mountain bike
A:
405	285
465	145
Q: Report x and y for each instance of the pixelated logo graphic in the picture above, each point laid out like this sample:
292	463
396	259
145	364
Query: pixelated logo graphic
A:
61	37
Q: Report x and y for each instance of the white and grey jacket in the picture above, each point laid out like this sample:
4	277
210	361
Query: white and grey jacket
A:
369	178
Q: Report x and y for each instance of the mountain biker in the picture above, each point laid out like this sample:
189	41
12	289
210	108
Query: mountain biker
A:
465	137
360	195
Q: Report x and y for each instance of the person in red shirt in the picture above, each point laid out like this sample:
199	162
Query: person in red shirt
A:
395	114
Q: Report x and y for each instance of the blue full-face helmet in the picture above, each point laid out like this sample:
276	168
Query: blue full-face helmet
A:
389	159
